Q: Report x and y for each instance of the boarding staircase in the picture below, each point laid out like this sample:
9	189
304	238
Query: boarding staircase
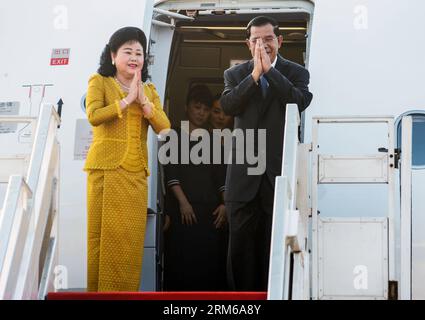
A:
29	215
336	257
311	257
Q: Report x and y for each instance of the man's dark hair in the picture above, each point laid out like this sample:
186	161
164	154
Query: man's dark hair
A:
262	21
120	37
200	94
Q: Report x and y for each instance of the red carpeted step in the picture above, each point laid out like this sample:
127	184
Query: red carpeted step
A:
157	296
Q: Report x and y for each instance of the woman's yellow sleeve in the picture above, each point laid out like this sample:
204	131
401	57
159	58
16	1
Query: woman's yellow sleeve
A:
157	119
97	112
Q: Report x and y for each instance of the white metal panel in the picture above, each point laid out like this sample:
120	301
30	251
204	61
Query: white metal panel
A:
353	258
84	27
418	235
28	234
15	148
29	277
301	283
151	226
14	225
9	165
298	279
16	141
159	51
307	276
161	40
353	119
356	68
231	4
353	169
314	212
347	74
286	220
303	185
406	210
290	148
47	278
149	267
278	249
391	204
342	202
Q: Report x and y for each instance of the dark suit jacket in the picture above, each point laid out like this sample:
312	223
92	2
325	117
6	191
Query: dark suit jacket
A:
242	98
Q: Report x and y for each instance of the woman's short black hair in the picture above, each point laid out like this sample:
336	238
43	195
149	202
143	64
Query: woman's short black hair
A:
200	94
120	37
262	21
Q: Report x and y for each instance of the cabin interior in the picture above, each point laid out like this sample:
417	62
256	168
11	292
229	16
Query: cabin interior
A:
203	49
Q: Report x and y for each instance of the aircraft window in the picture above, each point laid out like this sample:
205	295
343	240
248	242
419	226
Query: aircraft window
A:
418	137
83	103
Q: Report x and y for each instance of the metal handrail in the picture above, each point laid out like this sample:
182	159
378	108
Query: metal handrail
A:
26	224
285	217
17	119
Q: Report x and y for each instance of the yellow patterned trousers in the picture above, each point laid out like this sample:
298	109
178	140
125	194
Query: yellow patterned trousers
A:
116	223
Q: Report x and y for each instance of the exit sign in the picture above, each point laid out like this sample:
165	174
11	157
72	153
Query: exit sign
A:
59	57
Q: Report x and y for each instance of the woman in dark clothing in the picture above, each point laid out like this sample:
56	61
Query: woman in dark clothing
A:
218	119
194	202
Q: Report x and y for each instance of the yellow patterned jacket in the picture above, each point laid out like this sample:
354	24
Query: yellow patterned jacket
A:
114	129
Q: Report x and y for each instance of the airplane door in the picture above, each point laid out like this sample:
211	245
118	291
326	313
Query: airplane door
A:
411	132
353	252
161	27
161	37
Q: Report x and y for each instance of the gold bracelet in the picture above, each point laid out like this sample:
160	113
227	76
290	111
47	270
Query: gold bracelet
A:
125	101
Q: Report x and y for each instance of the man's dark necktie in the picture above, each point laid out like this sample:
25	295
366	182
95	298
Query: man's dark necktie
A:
264	86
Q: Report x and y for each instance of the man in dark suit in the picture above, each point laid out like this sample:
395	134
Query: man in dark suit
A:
256	93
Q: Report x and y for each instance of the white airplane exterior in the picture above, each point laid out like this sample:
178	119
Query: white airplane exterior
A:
362	239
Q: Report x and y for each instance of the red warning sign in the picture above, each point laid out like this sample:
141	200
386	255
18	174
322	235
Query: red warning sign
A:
60	57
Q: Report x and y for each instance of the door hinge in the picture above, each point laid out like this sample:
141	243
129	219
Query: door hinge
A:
397	156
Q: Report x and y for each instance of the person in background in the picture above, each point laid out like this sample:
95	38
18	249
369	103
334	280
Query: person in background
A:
120	107
221	121
218	119
194	203
256	94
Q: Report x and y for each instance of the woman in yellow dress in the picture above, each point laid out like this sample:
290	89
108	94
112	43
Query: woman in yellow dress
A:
120	108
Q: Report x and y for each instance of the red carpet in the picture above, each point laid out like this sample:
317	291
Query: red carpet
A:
157	296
